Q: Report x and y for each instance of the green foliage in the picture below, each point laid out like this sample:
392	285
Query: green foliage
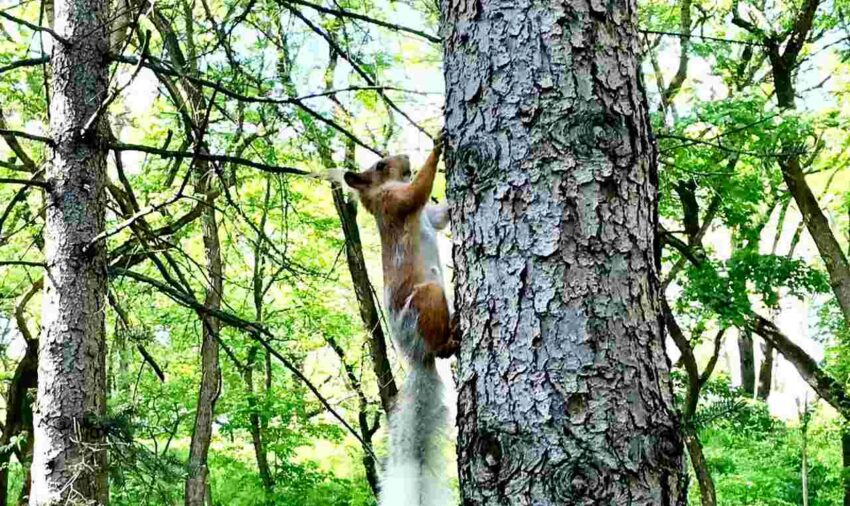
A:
726	287
756	459
722	137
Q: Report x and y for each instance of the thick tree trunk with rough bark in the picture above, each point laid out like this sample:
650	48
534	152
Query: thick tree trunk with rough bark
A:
564	394
69	463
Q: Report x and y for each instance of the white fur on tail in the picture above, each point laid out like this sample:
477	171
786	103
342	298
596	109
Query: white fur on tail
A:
415	471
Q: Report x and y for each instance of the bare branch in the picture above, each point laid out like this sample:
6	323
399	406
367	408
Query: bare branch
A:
342	13
160	67
26	182
166	153
356	66
29	62
4	132
35	28
25	263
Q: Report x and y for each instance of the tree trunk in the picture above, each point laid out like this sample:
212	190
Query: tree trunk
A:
196	482
689	406
254	419
845	460
766	371
69	462
782	64
26	453
708	496
747	361
17	410
256	426
564	390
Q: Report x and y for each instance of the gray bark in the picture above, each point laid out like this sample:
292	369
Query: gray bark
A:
564	393
69	461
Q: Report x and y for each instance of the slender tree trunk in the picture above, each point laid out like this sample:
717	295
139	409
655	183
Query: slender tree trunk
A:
783	62
695	382
564	390
747	361
197	487
69	462
17	410
347	212
845	460
197	490
256	427
18	407
254	419
26	453
766	371
708	497
804	450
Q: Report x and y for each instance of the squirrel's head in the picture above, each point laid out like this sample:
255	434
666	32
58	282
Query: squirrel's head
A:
392	168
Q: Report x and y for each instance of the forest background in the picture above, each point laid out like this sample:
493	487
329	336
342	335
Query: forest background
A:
297	381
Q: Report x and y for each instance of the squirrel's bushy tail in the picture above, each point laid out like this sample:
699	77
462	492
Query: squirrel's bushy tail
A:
415	471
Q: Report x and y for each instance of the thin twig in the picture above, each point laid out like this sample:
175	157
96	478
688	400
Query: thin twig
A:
166	153
92	121
704	37
257	331
342	13
25	263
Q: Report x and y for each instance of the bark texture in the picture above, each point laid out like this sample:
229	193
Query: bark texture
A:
69	462
748	361
197	488
564	394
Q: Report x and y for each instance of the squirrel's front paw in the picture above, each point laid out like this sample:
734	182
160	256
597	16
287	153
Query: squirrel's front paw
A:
448	349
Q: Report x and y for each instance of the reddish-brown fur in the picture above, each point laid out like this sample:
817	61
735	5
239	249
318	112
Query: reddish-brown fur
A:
397	205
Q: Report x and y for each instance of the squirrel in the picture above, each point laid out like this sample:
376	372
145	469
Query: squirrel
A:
420	320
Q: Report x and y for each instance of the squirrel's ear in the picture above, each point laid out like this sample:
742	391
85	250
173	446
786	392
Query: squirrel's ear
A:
355	180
